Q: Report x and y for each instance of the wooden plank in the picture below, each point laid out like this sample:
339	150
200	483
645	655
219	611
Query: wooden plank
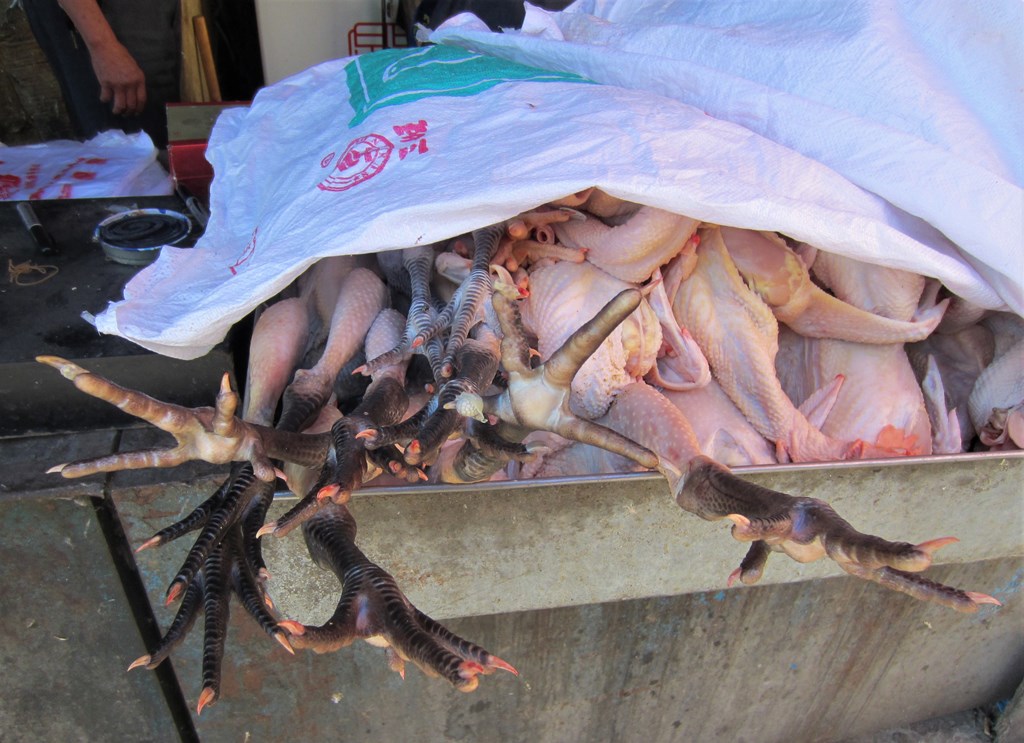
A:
206	57
193	84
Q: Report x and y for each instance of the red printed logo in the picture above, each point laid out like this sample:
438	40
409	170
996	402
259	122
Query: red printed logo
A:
362	160
366	156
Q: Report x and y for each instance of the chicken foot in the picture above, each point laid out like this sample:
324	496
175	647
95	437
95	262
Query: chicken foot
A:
361	298
224	571
372	607
807	529
538	399
212	435
804	528
346	465
422	319
476	363
228	544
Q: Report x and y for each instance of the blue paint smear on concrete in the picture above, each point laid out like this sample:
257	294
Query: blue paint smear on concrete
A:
1004	593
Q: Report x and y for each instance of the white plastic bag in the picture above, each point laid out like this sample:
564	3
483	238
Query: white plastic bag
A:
920	103
406	147
110	164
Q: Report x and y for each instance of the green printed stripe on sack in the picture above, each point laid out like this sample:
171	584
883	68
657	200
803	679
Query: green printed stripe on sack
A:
394	76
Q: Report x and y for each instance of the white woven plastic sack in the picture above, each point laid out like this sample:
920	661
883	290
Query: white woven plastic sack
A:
406	147
919	102
110	164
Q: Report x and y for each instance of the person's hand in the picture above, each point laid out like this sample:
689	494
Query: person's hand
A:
121	79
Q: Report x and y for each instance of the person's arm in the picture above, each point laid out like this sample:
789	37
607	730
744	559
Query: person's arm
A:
121	79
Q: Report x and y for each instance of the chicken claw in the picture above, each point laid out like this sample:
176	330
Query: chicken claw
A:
807	529
213	435
225	570
473	293
538	399
373	608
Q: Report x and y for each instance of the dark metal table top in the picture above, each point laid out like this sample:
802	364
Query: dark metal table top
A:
42	313
42	299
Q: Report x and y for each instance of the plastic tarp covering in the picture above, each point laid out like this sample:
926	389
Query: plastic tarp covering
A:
920	103
405	147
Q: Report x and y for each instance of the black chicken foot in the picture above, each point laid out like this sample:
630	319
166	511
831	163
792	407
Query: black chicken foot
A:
459	316
252	519
423	433
360	299
476	289
418	263
486	450
223	571
198	518
242	488
477	363
373	608
392	460
345	467
807	529
343	471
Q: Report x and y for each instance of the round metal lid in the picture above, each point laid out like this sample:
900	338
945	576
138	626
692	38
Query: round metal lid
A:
143	228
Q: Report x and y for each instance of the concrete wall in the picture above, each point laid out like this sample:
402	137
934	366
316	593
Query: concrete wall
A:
609	600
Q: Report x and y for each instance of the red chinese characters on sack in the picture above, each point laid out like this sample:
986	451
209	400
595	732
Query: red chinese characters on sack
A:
71	170
414	134
247	252
27	184
362	159
8	185
366	156
32	175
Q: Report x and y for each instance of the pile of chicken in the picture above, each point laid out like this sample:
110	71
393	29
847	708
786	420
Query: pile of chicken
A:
590	335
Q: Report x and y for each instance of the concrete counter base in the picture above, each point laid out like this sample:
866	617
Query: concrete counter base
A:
612	604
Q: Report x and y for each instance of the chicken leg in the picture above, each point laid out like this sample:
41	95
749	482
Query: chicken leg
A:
373	608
